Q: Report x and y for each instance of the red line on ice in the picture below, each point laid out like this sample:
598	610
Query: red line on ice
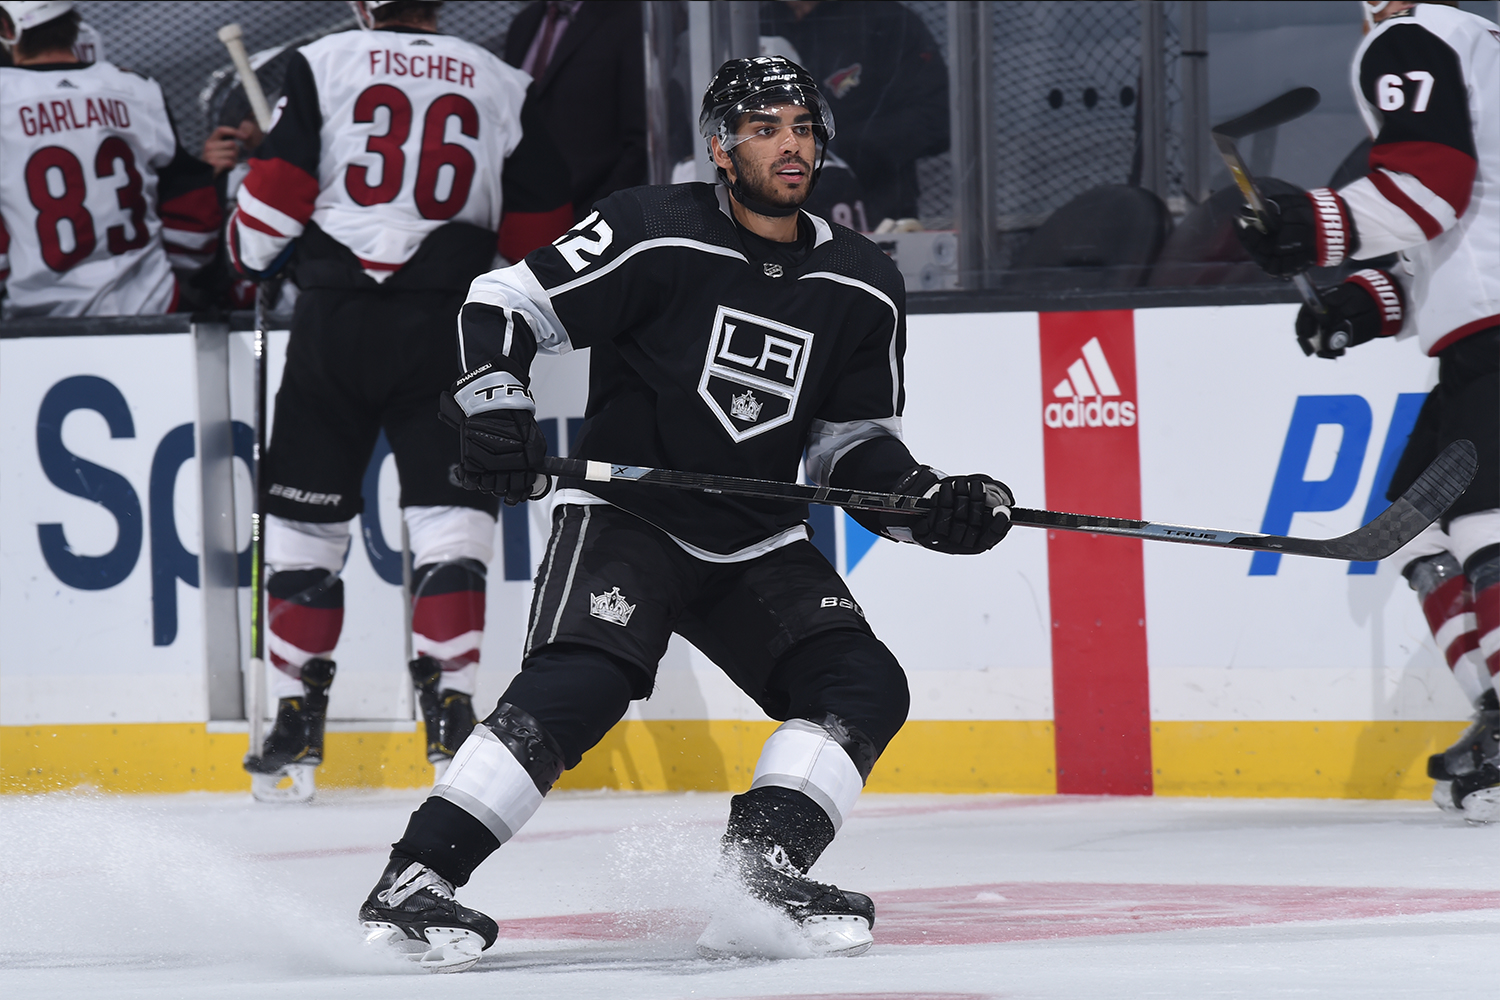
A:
1037	911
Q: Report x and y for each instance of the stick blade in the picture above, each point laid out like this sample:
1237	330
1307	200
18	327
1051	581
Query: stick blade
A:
1277	111
1445	480
1426	500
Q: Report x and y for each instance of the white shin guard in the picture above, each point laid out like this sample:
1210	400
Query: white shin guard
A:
802	756
486	781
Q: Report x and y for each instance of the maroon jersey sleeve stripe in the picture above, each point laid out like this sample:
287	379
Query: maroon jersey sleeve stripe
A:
284	186
1393	194
1443	170
251	222
195	211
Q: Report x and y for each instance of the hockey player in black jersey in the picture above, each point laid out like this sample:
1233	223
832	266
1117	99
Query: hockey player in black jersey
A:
731	333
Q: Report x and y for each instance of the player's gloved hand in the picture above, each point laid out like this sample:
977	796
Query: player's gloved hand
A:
1302	229
500	446
1367	305
969	514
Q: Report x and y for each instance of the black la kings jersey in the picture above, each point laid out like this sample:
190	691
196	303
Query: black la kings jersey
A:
706	359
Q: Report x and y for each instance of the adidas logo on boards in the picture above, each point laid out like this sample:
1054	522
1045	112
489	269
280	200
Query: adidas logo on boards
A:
1089	383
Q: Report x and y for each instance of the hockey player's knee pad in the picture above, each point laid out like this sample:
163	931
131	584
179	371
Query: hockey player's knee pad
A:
448	577
851	675
1483	569
1428	573
313	588
529	743
860	748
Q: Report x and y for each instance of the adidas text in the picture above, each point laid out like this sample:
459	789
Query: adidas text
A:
1090	413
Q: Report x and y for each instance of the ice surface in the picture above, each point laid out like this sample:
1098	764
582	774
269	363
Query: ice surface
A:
604	895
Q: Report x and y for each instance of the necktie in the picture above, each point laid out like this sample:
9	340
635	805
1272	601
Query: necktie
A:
544	50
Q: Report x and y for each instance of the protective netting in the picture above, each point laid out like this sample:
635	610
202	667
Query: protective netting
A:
175	42
1066	75
934	173
1067	82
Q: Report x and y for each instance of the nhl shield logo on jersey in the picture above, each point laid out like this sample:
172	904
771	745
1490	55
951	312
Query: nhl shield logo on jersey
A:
611	607
753	372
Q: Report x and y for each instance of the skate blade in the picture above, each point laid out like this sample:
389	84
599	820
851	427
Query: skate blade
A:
838	936
447	949
1482	806
815	937
439	768
293	783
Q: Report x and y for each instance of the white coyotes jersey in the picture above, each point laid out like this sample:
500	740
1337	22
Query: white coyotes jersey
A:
416	128
80	149
1451	260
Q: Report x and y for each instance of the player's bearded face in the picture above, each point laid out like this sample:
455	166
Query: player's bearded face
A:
773	159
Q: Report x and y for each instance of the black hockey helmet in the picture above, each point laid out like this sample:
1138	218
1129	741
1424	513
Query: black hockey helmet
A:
744	85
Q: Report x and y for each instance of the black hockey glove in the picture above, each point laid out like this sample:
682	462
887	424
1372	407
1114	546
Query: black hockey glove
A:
969	515
1303	229
500	446
1367	305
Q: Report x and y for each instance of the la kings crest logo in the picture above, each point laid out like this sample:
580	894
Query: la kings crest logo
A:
753	372
612	607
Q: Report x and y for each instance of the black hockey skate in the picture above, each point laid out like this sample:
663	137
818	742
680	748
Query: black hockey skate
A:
283	770
831	921
447	716
412	912
1466	776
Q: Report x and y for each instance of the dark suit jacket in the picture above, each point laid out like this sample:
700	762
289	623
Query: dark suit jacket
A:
592	95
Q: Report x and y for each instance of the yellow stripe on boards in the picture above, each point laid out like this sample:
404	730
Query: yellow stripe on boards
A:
1319	760
184	757
1379	760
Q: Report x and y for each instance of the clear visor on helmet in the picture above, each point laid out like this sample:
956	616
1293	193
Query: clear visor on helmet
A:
768	116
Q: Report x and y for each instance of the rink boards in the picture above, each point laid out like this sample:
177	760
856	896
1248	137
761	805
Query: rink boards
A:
1057	662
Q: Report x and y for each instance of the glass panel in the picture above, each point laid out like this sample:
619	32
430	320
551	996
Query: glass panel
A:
884	70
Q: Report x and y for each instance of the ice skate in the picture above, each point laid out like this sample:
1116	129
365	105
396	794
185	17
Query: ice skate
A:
447	716
829	921
284	769
1476	796
412	912
1465	775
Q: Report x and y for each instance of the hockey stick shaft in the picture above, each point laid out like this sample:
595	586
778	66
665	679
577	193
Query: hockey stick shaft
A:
1432	493
1277	111
234	41
1246	183
255	709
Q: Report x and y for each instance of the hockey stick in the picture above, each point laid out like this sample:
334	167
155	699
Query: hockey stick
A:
234	41
1434	491
255	699
1277	111
255	710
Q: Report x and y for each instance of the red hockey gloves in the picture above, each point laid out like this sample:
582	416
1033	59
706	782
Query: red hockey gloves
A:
500	447
1303	229
1367	305
969	514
